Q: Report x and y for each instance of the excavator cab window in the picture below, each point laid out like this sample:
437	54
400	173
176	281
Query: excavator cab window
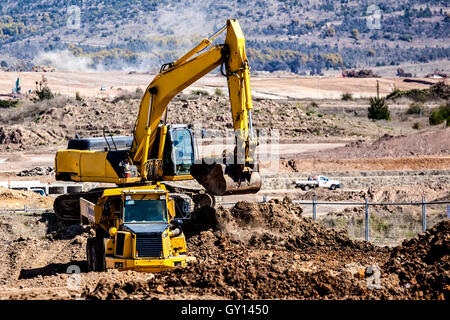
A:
179	151
183	151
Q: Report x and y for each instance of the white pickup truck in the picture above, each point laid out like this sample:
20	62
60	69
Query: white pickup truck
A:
316	182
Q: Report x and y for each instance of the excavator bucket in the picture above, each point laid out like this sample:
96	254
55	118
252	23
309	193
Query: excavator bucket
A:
222	180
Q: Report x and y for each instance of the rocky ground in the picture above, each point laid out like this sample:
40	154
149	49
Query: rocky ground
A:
37	125
249	251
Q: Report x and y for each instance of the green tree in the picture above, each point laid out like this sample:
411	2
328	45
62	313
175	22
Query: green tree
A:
378	109
440	115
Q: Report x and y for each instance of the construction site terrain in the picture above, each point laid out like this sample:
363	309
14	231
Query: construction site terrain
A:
248	249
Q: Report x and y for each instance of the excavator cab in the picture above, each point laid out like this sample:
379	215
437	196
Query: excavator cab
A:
180	151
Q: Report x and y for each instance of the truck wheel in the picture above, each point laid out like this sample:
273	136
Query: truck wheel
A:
95	254
90	254
306	188
333	187
100	255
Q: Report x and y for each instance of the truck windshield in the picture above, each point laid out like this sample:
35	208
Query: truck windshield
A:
140	211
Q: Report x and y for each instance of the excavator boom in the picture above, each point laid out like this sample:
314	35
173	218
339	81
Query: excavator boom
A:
220	179
153	153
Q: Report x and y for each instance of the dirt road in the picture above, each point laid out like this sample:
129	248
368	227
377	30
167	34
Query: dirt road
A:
90	84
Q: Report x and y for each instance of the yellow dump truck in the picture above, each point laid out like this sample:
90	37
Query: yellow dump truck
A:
135	229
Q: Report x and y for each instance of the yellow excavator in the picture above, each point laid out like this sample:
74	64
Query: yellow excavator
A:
158	151
135	221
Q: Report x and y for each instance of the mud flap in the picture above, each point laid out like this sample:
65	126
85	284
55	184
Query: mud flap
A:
222	180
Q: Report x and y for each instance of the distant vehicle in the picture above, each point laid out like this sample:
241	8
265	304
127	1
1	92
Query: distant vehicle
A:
38	191
318	182
103	88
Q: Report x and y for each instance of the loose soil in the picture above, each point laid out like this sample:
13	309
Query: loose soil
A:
248	251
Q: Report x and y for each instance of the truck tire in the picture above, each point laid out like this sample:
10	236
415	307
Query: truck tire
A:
305	188
100	255
95	255
333	187
90	254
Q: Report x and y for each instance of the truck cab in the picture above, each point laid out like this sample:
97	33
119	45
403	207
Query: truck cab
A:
136	230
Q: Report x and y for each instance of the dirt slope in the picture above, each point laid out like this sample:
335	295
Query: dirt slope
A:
430	142
13	199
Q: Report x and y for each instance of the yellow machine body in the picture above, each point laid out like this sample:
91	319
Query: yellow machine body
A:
147	152
140	245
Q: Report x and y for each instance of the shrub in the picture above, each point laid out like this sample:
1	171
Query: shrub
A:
439	90
139	91
415	108
314	104
347	96
218	92
378	109
417	126
43	91
200	93
440	115
78	97
8	103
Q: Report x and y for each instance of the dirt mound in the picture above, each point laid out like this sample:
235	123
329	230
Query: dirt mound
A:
249	251
423	264
324	194
328	163
430	142
49	122
11	135
260	251
439	192
15	199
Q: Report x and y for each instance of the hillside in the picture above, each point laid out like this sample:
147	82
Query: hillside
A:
305	37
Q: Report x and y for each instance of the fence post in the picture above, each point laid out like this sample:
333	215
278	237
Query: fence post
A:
424	215
367	220
314	208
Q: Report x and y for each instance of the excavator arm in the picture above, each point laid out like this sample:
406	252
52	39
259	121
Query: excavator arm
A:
242	175
95	160
158	95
